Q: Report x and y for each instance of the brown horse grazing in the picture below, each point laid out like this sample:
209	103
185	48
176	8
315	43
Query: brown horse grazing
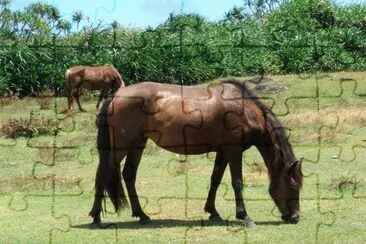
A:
103	78
226	118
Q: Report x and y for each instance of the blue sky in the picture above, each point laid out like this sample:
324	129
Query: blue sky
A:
141	13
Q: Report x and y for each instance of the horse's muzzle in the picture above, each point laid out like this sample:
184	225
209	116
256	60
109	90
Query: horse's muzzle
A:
291	218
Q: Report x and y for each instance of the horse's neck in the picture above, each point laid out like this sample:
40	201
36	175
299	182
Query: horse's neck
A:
273	159
269	154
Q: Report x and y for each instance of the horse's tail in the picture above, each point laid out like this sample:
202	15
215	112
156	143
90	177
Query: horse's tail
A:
68	89
109	173
67	73
67	81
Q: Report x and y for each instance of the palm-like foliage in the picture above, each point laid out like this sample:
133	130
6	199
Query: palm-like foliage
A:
37	45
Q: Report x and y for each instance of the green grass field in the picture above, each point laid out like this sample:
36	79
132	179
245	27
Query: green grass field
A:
46	182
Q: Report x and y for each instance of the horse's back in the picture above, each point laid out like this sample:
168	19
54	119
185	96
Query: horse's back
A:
182	119
94	77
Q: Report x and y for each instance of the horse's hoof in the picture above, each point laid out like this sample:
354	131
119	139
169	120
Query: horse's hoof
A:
145	221
96	225
291	219
248	222
216	218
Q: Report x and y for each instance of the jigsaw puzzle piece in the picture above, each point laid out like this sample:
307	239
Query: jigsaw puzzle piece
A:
360	186
243	40
360	89
37	221
104	8
319	174
343	211
317	127
58	176
255	176
349	131
80	220
65	153
167	226
156	105
207	233
349	176
268	223
171	183
76	131
17	181
279	93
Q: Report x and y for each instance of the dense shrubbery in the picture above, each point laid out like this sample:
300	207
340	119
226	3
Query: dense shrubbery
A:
298	36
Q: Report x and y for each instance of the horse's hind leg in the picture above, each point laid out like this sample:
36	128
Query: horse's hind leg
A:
77	94
217	173
129	175
237	184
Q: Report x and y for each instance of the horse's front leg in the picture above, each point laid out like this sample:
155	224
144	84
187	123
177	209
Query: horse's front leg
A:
77	94
70	99
103	94
235	165
129	175
216	177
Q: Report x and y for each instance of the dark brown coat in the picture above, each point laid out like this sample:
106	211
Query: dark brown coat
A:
226	118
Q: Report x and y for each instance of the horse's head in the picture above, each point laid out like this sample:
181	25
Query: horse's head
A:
285	191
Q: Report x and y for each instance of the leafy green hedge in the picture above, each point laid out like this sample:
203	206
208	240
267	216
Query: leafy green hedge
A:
299	36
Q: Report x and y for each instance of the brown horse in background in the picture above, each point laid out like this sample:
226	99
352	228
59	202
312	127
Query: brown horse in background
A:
103	78
226	118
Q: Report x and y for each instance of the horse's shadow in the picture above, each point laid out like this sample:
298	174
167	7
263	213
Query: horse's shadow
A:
173	223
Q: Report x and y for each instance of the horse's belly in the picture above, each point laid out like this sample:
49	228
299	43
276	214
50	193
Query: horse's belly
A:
181	147
187	139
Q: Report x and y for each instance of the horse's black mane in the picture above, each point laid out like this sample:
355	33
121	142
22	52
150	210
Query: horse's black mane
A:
247	93
284	155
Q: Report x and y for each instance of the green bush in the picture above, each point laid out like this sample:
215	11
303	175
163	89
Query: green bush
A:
299	36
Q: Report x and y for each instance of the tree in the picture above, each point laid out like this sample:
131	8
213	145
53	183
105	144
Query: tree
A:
5	13
259	9
77	17
236	14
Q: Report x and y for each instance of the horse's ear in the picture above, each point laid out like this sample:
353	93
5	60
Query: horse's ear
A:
299	163
292	167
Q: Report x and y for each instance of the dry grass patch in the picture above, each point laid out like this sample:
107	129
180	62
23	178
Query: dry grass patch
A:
45	99
333	124
46	154
354	116
24	183
7	100
256	175
34	125
344	182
